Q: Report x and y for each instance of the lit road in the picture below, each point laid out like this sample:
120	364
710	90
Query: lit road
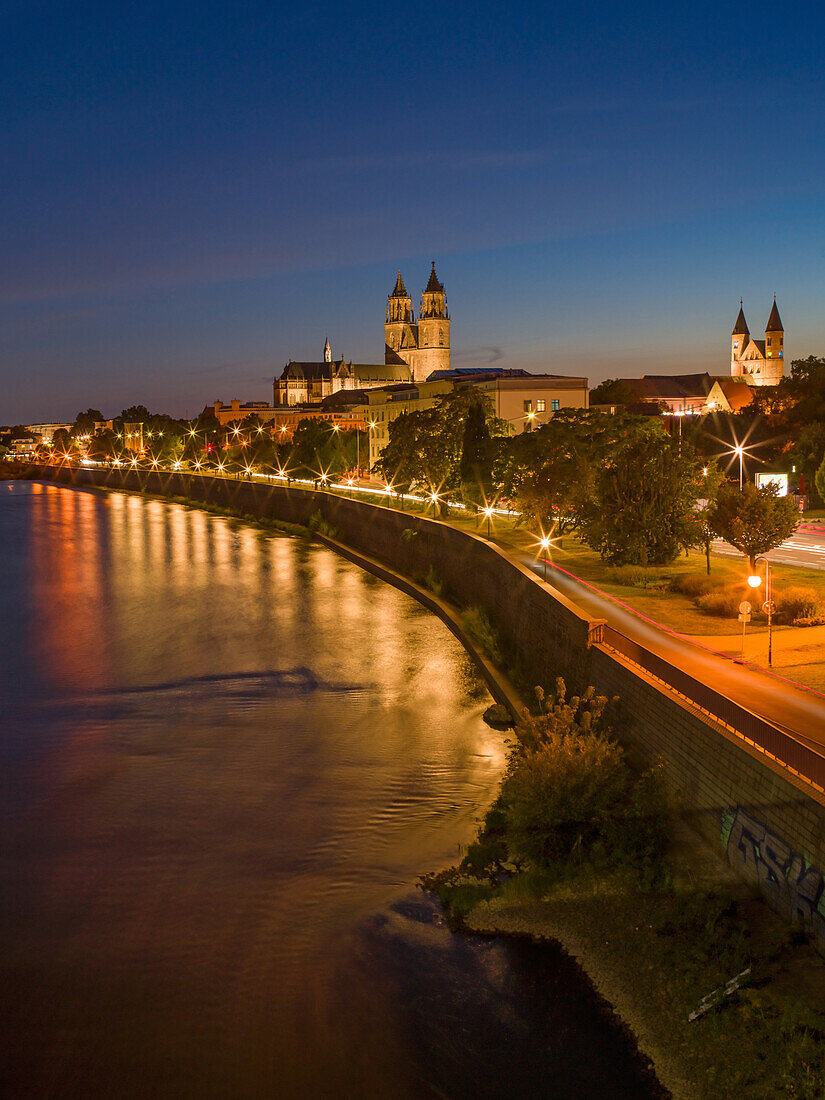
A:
787	706
805	548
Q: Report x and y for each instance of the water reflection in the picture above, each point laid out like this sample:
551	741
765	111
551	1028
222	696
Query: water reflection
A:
226	758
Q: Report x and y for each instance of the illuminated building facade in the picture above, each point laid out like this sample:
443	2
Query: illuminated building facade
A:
758	362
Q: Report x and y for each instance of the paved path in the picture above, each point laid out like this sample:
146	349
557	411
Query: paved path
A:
786	705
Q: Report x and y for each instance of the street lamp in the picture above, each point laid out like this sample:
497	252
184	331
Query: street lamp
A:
768	606
545	545
488	512
739	450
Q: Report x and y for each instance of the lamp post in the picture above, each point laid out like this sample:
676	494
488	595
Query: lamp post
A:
488	512
739	450
768	606
545	545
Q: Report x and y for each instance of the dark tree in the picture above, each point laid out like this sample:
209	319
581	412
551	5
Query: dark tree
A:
475	467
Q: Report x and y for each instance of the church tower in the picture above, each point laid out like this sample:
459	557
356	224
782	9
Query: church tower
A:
327	351
740	338
433	330
774	348
400	335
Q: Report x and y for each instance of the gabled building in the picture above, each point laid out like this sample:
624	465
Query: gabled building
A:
758	362
688	394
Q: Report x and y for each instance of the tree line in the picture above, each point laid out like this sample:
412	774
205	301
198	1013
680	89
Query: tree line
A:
623	483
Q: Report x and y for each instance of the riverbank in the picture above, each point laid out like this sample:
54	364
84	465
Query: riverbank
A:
654	953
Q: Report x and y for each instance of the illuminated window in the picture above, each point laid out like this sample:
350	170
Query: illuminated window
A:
555	404
541	404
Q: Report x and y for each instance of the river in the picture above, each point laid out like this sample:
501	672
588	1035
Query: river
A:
227	755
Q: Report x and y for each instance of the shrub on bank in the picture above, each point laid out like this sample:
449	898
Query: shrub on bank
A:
569	792
482	632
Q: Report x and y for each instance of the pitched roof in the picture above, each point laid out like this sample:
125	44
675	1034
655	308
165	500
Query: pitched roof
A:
382	372
774	321
741	326
433	286
400	291
654	386
296	369
737	394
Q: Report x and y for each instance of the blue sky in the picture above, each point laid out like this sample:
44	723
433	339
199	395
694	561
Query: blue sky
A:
194	193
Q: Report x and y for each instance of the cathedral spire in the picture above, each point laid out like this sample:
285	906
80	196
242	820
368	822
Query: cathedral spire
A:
400	291
774	321
434	286
327	351
741	326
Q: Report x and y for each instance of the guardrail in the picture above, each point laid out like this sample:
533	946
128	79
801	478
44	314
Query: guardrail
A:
759	732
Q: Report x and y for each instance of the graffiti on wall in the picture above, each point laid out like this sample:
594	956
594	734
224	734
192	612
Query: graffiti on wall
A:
790	883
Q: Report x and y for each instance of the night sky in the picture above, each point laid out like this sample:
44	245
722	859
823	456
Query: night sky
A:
193	193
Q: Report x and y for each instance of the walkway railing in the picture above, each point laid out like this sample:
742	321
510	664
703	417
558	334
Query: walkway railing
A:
757	731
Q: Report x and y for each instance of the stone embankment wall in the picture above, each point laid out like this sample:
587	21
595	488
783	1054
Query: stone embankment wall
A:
771	823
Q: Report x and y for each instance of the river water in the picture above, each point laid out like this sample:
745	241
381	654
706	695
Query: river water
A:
226	758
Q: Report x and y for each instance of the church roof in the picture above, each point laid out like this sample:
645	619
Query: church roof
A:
774	321
738	394
382	372
741	326
433	286
653	386
296	369
400	291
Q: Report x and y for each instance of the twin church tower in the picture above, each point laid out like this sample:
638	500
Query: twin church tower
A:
758	362
423	345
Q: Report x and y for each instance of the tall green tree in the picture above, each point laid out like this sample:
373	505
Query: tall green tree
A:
753	520
642	509
712	479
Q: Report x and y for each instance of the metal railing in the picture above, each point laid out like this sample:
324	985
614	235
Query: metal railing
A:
759	732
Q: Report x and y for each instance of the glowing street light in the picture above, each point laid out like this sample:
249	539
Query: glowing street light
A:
754	580
739	450
544	543
488	512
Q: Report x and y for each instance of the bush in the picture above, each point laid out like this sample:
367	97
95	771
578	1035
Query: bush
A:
722	601
482	632
635	576
798	603
569	791
317	523
432	581
693	585
558	794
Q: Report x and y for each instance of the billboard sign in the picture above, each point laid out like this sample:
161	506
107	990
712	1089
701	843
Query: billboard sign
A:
779	480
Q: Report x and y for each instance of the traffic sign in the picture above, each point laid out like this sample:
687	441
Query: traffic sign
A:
769	607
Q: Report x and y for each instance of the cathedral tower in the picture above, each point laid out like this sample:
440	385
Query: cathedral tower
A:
433	330
740	338
400	335
774	347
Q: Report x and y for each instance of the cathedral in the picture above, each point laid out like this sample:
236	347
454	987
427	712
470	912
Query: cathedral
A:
412	351
424	346
758	362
